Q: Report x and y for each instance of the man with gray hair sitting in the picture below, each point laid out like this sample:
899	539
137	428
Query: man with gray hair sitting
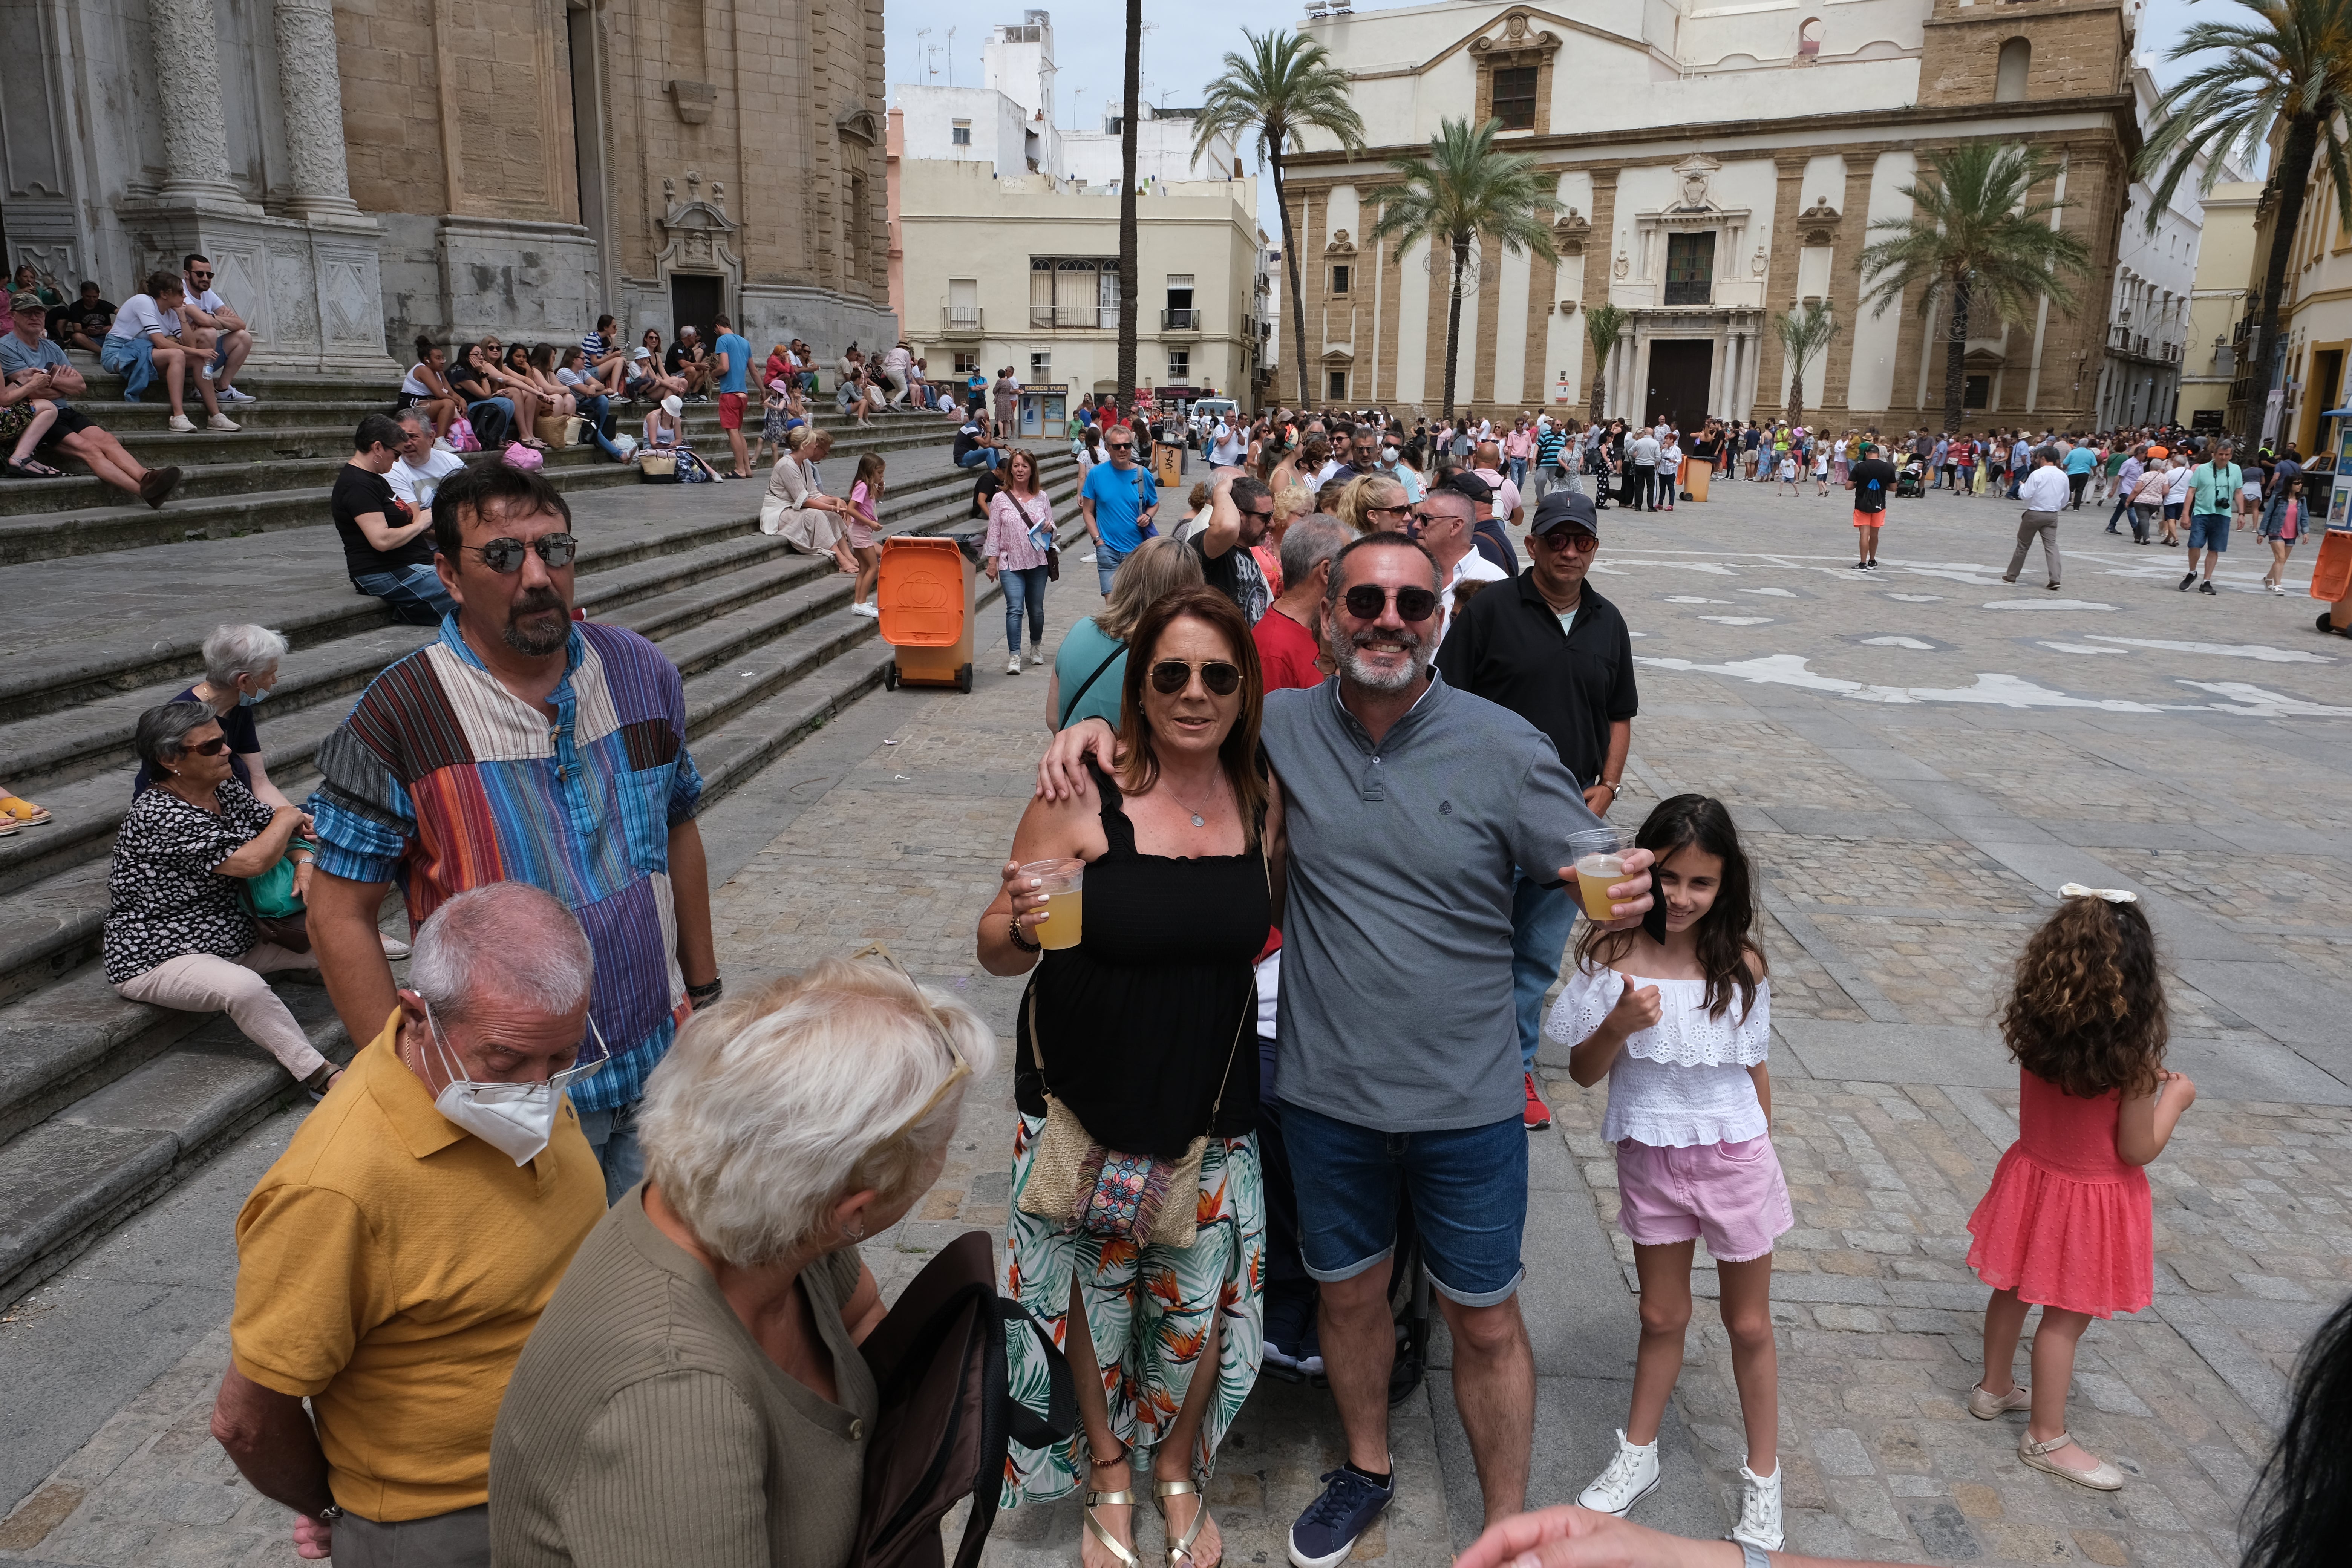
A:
394	1260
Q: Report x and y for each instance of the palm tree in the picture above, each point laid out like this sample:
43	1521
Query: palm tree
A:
1284	84
1460	189
1127	236
1802	337
1604	325
2291	60
1975	232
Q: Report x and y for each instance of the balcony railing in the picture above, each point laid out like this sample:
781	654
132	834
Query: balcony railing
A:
1180	321
960	320
1689	291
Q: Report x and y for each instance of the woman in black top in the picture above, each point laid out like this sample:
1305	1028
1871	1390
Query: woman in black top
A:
1144	1029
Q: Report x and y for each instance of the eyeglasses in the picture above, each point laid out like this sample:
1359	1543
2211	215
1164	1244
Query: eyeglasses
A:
1573	538
1170	675
201	277
212	748
1365	601
962	1069
504	556
1120	445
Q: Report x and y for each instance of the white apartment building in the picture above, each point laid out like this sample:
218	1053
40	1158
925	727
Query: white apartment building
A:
1004	235
2148	307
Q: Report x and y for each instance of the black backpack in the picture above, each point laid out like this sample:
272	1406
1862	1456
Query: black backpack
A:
947	1415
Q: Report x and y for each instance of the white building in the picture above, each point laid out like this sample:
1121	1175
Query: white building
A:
1716	166
1005	234
2155	282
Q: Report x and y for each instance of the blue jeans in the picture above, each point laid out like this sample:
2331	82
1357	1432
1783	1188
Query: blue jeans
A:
1469	1186
1107	561
613	1135
1024	590
413	593
1518	471
1541	920
132	359
979	458
594	410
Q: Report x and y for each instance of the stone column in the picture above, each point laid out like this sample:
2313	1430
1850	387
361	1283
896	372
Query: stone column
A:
310	87
188	84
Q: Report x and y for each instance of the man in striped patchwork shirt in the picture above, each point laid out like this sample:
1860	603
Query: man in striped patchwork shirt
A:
522	746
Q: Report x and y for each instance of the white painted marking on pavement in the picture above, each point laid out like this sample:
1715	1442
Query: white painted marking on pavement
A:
2046	604
2263	651
1771	593
1991	689
2261	704
1918	598
1693	599
1739	620
2077	647
1898	642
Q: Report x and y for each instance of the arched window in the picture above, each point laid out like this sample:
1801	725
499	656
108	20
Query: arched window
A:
2009	79
1808	38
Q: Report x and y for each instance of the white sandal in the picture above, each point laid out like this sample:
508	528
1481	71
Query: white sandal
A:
2103	1477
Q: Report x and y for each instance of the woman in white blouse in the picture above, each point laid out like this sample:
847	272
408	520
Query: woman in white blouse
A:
796	506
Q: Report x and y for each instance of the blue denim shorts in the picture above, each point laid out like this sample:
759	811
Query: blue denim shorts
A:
2209	531
1469	1186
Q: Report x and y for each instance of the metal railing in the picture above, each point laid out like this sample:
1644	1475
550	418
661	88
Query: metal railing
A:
1180	321
960	318
1689	291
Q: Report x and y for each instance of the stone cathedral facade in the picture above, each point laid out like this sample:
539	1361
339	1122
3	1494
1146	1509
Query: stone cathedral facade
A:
365	170
1717	165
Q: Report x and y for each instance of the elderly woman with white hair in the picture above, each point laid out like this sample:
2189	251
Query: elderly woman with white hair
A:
240	670
694	1393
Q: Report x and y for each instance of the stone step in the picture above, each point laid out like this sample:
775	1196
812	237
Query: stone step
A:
126	659
135	1102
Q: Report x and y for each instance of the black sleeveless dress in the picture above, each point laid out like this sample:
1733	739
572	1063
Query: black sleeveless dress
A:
1139	1023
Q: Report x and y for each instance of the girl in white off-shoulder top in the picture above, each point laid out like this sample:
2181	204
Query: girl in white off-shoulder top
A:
1680	1027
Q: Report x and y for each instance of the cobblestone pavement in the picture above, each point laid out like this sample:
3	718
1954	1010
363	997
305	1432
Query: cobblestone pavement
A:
1919	759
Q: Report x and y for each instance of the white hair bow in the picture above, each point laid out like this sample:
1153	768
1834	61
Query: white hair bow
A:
2113	895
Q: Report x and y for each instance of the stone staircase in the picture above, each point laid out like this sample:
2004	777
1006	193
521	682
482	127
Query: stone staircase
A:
105	1104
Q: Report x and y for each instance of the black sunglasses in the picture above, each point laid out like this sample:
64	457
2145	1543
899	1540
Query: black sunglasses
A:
1170	675
504	556
1120	445
1568	538
212	748
1365	601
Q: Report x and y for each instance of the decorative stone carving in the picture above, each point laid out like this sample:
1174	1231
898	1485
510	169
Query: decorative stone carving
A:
860	124
1758	262
1620	268
1693	174
701	238
187	89
693	101
1568	306
1340	244
1819	220
1519	43
1569	232
310	86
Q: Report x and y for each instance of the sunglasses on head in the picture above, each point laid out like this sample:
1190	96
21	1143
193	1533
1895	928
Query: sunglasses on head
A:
1365	601
504	556
1170	675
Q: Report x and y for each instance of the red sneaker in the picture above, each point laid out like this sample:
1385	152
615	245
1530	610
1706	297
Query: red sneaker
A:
1538	1114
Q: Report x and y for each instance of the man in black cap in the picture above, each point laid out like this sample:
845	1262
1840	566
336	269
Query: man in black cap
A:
1551	649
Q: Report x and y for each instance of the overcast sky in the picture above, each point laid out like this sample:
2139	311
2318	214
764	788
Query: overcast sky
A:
1184	46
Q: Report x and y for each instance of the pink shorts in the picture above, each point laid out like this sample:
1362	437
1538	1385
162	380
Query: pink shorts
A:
1731	1194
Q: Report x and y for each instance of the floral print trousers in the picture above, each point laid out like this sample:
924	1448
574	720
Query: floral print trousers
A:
1147	1311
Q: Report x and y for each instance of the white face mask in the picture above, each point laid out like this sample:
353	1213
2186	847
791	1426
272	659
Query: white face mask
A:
515	1119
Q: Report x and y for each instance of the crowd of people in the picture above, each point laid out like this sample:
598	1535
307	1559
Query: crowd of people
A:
634	1201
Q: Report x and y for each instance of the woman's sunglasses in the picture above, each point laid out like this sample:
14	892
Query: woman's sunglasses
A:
212	748
1365	601
504	556
1170	675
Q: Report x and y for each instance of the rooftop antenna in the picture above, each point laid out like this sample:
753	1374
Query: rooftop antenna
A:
923	54
951	32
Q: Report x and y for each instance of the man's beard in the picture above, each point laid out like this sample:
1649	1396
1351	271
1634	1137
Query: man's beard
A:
1354	667
531	642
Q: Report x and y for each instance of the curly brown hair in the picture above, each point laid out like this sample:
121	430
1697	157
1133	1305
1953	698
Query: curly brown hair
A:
2088	1012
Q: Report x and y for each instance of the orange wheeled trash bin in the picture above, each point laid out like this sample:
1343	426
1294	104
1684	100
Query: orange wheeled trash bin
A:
926	594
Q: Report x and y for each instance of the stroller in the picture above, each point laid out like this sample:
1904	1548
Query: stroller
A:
1912	480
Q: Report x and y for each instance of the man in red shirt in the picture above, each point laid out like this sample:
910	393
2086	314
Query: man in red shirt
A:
1284	635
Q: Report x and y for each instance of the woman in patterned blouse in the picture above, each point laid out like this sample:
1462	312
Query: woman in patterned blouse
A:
177	935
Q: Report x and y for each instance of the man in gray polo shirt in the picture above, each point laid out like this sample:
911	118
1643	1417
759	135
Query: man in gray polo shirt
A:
1407	803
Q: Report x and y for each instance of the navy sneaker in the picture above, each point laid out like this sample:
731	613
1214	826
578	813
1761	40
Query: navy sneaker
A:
1333	1522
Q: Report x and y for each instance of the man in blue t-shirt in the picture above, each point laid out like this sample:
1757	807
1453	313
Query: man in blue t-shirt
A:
1117	502
730	357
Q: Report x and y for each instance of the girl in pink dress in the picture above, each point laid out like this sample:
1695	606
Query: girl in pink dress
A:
2068	1224
865	533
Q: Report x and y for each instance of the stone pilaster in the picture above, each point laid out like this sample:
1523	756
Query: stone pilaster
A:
310	87
1784	244
187	81
1599	253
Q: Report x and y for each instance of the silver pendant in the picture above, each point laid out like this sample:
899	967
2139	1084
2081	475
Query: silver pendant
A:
1198	821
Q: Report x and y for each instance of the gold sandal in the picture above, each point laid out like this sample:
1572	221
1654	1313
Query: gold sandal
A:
1181	1548
1122	1498
2101	1477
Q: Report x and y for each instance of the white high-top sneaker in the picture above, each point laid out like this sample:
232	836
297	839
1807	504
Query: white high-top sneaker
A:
1759	1510
1632	1476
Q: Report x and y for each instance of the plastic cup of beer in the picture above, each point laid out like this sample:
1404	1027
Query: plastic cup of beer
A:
1600	862
1063	883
